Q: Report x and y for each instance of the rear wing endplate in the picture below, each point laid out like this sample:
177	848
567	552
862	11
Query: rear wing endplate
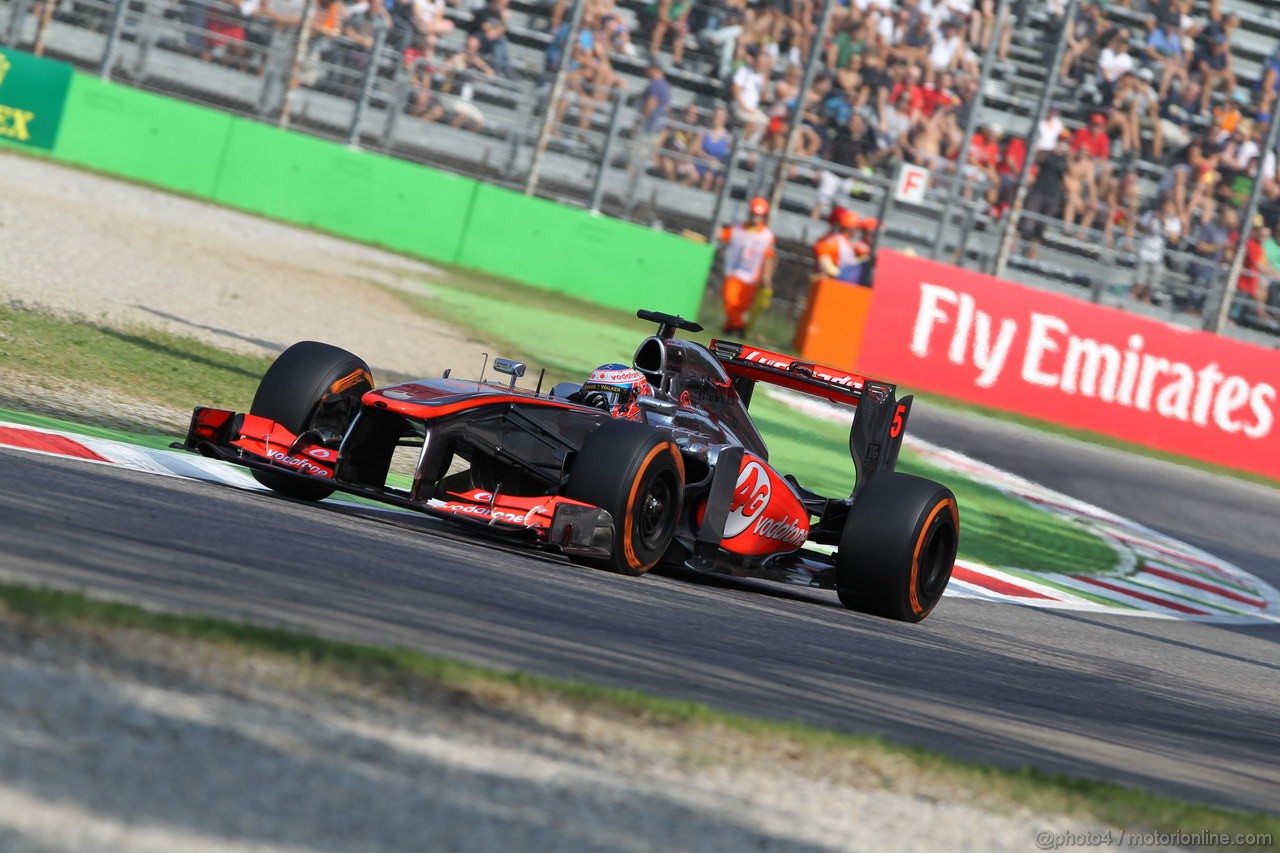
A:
876	435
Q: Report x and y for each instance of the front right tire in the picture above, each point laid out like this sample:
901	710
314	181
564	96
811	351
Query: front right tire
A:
636	474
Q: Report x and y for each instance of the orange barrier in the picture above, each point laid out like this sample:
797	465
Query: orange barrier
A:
830	332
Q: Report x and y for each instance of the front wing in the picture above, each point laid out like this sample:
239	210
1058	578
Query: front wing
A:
551	521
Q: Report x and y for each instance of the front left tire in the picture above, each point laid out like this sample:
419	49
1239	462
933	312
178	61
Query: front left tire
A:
312	385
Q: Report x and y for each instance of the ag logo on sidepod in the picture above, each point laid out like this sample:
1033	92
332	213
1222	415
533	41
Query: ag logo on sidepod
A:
750	497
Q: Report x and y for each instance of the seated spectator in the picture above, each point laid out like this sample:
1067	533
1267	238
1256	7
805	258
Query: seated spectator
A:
950	53
429	19
668	16
819	103
1137	105
1211	241
652	121
461	68
419	60
1161	228
1178	114
1083	199
360	26
929	142
1082	38
1271	251
713	151
896	121
981	170
615	34
916	42
489	25
786	93
1269	83
853	146
1048	131
749	87
679	145
227	40
284	14
1227	117
1120	207
1175	187
1240	160
1165	56
723	25
1012	158
798	24
1097	144
1256	274
1216	70
1114	62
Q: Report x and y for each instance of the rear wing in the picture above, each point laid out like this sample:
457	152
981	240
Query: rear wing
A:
748	365
880	419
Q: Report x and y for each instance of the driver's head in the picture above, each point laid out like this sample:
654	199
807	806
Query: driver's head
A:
614	388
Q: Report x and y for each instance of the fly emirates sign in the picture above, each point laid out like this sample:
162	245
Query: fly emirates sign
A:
966	335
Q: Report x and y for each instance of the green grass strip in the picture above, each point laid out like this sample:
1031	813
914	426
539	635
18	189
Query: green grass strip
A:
392	668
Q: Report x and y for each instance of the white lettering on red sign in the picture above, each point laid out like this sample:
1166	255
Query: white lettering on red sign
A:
1121	374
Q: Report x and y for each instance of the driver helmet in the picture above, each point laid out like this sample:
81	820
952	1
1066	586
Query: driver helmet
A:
614	388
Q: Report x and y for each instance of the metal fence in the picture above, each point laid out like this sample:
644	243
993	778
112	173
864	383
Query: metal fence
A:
380	90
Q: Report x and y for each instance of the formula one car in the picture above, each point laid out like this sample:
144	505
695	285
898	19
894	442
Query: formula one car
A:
684	480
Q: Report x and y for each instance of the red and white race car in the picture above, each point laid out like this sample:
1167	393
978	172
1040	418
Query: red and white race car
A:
682	478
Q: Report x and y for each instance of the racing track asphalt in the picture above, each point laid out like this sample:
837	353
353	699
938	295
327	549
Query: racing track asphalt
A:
1182	708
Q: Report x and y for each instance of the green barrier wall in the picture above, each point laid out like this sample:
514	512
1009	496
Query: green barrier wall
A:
345	191
602	260
143	136
377	199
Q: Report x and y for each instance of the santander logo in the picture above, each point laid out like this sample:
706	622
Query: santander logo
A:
1043	351
750	498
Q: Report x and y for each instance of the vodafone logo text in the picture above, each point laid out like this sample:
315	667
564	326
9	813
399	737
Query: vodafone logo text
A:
1006	346
1042	349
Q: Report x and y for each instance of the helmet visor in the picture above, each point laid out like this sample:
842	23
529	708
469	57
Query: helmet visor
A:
614	394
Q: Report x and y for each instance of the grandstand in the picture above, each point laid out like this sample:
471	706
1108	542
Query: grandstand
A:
406	82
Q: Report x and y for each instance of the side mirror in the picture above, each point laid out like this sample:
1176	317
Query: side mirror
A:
514	369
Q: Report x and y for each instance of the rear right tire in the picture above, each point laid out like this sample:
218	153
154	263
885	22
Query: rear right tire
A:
898	547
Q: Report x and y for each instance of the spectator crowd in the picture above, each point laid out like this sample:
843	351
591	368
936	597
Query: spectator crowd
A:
1152	147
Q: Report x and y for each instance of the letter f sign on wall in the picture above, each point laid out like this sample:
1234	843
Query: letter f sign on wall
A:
912	182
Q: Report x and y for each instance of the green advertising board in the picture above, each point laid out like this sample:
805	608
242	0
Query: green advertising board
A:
32	92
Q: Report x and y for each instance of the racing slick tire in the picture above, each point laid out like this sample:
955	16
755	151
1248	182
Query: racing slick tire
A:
636	474
898	547
310	385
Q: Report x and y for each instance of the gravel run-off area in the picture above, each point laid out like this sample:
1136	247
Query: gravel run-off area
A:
126	741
